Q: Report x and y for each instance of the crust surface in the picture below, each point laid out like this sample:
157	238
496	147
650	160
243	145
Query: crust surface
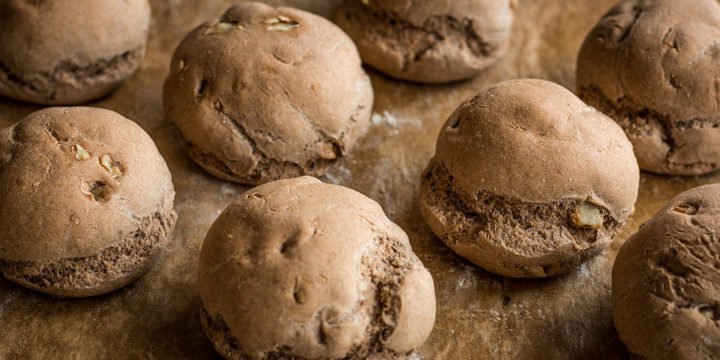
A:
344	279
666	281
429	41
86	201
508	236
264	93
529	181
114	268
73	59
652	66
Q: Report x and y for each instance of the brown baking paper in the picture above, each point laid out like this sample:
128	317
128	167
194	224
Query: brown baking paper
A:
480	316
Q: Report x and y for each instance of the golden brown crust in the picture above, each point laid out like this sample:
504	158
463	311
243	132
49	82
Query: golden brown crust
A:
666	281
72	58
429	41
652	66
264	93
342	277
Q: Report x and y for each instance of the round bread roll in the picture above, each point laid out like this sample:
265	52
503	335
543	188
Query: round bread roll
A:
528	181
298	269
265	93
429	41
86	201
69	52
652	66
666	281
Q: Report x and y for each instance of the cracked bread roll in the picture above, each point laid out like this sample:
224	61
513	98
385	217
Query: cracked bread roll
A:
652	65
528	181
429	41
666	281
86	202
265	93
68	52
299	269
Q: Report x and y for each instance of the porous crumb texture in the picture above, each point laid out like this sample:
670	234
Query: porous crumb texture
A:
57	52
666	281
113	268
508	236
70	82
656	138
652	66
443	48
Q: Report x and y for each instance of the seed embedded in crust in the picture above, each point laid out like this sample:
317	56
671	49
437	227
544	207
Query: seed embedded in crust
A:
221	27
80	153
708	312
281	23
97	190
587	216
111	166
686	209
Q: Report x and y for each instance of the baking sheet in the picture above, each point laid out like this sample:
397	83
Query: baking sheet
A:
480	315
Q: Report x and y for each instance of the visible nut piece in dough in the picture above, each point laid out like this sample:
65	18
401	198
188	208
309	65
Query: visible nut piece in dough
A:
281	23
113	167
80	153
304	108
342	274
219	28
528	181
587	215
77	231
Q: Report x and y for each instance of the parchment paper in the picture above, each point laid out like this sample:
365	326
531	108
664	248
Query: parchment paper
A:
480	316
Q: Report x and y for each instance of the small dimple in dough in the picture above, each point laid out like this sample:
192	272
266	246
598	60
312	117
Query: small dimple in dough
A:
666	281
83	227
305	106
340	271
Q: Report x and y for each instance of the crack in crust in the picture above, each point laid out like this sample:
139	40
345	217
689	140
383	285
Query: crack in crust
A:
267	167
396	33
643	124
524	234
437	29
44	84
322	136
680	267
119	264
